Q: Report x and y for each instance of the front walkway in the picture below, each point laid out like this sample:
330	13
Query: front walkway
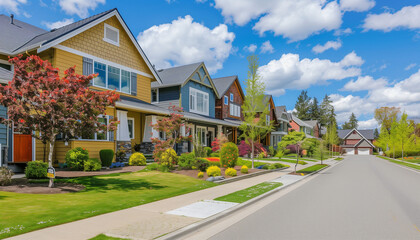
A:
146	221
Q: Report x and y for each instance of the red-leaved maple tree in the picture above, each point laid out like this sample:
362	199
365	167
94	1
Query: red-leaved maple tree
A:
171	126
42	104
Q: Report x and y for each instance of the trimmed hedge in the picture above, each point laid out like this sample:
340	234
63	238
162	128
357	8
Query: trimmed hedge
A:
137	159
36	170
106	156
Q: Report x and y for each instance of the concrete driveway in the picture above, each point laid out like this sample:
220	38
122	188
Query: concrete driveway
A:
363	198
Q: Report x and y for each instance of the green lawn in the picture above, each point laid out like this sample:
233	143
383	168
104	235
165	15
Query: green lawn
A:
312	168
277	160
415	166
249	193
105	237
294	161
338	159
22	213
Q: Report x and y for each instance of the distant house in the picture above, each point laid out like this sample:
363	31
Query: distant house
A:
271	117
300	126
190	87
282	127
316	127
357	142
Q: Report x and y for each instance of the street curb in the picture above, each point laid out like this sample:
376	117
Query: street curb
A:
401	166
177	234
250	175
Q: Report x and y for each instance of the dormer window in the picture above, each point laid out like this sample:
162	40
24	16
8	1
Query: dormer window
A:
111	35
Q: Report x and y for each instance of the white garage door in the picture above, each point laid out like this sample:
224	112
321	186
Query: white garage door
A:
363	151
350	151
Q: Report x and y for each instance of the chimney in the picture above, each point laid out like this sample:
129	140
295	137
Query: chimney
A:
11	18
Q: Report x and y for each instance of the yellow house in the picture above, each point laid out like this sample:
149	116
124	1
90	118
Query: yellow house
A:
101	44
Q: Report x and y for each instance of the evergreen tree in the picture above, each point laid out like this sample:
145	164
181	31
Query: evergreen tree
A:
325	110
303	106
352	123
314	111
376	133
254	108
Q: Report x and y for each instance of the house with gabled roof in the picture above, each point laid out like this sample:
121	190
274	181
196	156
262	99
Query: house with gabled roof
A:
357	142
101	44
192	88
300	126
283	125
316	127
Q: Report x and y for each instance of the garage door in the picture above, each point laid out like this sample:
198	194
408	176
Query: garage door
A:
363	151
350	151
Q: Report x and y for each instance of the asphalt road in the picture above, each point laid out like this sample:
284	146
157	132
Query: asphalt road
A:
362	198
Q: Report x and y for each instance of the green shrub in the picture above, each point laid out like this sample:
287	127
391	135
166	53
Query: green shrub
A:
92	164
244	169
200	175
152	167
5	176
230	172
214	164
272	151
168	159
76	157
207	151
187	161
202	164
36	170
398	153
213	171
137	159
106	156
229	155
214	155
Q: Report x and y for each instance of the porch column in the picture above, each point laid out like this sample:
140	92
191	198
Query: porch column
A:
219	129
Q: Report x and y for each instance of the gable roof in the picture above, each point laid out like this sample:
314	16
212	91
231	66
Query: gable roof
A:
43	40
280	110
367	133
179	76
312	123
223	84
176	76
299	122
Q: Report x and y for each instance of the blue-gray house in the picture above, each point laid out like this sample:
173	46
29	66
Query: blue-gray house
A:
190	87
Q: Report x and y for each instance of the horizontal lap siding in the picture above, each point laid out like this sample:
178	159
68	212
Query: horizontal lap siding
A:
3	128
137	127
93	147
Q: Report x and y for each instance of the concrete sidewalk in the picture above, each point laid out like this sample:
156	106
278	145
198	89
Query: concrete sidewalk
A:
146	221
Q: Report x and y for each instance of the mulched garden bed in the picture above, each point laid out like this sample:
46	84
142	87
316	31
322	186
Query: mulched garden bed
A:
23	186
73	174
193	173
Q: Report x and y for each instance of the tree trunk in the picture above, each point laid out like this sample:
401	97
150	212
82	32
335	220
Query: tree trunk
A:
50	155
297	157
252	153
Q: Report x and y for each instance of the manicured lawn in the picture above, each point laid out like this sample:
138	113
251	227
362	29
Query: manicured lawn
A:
415	166
105	237
22	213
338	159
277	160
249	193
312	168
294	161
248	163
414	159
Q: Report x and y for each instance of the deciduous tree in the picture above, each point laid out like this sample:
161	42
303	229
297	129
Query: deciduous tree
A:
386	116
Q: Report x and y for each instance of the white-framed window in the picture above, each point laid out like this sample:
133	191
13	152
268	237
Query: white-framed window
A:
235	110
100	135
155	95
201	134
226	100
6	65
231	97
199	101
111	35
112	78
267	120
130	122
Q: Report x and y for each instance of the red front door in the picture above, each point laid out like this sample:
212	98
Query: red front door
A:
22	148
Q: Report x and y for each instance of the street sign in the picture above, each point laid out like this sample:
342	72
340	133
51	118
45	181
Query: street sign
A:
51	172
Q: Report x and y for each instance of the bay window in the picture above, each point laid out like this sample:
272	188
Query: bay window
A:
199	102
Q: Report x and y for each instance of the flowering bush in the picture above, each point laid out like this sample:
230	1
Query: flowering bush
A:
244	169
200	175
229	155
137	159
76	157
213	171
168	158
245	148
219	141
230	172
92	164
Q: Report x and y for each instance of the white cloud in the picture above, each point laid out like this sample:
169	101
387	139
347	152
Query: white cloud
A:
266	47
407	17
356	5
340	32
410	66
184	41
328	45
289	72
250	48
58	24
79	7
292	19
368	124
365	83
12	5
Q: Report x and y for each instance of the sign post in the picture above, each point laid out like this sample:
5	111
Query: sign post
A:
51	172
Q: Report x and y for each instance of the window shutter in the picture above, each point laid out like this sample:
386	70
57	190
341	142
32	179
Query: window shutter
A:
87	67
111	133
134	84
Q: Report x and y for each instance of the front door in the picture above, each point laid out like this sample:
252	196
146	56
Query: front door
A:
211	136
22	148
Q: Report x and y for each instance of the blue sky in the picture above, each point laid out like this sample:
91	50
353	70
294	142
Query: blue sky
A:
367	54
